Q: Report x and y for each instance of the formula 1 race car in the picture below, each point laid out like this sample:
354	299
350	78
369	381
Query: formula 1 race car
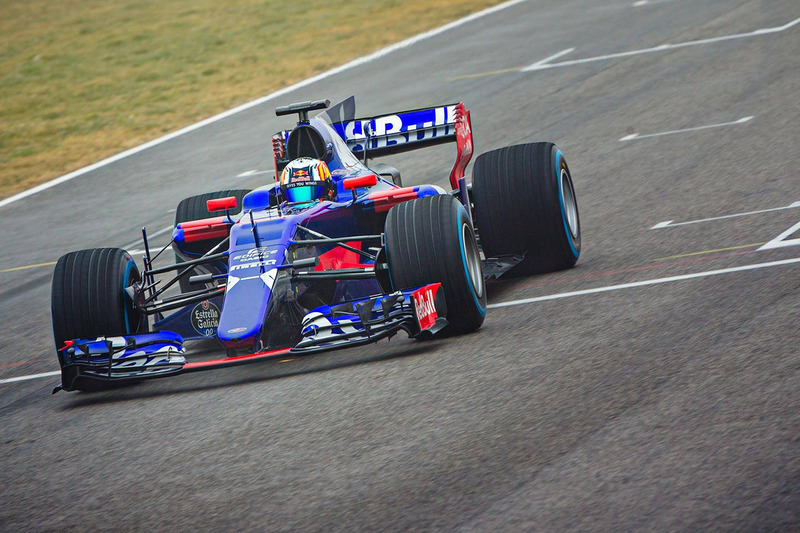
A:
335	253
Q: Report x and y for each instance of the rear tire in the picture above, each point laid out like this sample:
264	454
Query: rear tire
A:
524	202
194	208
431	240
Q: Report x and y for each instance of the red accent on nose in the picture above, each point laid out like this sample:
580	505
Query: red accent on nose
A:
232	361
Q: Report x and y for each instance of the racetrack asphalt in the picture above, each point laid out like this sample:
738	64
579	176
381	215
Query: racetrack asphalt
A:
668	406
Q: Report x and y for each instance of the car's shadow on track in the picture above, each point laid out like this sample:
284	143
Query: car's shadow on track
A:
497	288
255	373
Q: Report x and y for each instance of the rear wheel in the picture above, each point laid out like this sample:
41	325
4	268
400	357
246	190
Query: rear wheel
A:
524	202
194	208
431	240
88	297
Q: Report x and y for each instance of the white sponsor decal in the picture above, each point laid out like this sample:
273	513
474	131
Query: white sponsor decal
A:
425	304
268	277
254	253
268	262
389	130
388	125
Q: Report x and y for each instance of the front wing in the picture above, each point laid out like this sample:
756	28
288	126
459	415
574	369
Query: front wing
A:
134	357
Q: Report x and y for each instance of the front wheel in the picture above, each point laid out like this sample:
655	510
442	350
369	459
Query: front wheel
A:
88	298
431	240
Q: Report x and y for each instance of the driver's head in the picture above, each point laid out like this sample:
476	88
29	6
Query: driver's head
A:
306	180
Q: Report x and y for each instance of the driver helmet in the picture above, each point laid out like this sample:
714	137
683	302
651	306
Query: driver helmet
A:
306	180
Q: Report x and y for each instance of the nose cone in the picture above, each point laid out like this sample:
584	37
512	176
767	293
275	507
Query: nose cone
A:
247	298
251	278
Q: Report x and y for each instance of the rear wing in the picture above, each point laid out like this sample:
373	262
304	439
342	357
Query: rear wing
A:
393	134
408	130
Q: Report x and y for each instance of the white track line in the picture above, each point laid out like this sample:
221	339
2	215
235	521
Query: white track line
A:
253	173
641	3
670	224
546	60
356	62
32	376
779	242
645	283
635	136
138	241
661	48
561	295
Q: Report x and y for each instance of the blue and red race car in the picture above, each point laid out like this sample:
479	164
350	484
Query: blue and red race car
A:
281	273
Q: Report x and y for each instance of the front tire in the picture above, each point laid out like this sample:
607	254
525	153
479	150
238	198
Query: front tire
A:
524	202
88	297
88	300
430	240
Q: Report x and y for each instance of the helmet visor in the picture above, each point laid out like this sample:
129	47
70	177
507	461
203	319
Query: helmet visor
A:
308	193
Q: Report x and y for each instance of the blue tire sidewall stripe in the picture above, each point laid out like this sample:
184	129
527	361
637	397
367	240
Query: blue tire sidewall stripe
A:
481	308
567	232
131	265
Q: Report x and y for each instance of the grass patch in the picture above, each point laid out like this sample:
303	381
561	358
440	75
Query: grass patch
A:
81	80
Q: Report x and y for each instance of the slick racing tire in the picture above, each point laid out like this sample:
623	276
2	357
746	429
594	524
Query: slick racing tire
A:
194	208
524	202
431	240
88	298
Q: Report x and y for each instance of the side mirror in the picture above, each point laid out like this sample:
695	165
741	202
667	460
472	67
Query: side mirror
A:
351	184
361	181
221	204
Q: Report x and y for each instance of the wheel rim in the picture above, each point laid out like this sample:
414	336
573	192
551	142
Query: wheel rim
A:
132	315
570	206
473	259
